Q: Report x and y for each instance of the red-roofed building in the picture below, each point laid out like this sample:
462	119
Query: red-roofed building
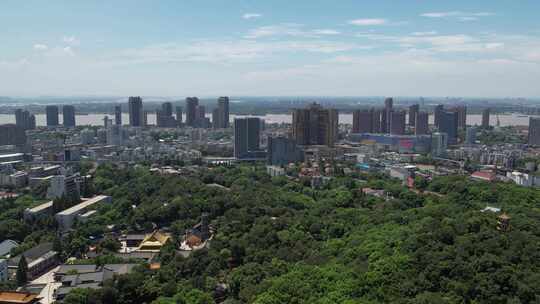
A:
487	176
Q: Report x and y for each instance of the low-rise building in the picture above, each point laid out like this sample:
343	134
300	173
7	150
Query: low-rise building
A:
275	171
86	276
67	217
6	247
39	211
15	297
40	259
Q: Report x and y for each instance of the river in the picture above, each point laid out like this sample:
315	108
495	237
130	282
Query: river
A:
97	119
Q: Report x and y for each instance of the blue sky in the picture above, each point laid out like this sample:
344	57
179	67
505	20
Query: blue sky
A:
226	47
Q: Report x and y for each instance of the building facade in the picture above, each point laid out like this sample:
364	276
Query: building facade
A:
315	125
534	131
246	136
191	111
448	123
283	151
136	114
363	121
51	112
413	112
421	126
68	115
485	118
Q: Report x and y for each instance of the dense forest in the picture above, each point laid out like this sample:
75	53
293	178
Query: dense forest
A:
280	241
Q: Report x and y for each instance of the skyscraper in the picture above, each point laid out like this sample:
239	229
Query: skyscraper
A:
387	116
376	121
437	114
52	115
222	113
448	124
413	112
462	116
164	117
485	118
179	116
118	115
68	115
191	111
136	114
315	125
422	123
534	131
246	136
397	122
25	120
166	108
363	121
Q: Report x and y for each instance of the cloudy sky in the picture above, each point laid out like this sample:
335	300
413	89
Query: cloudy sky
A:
301	47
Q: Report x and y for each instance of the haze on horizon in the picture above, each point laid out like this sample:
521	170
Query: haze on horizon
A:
271	48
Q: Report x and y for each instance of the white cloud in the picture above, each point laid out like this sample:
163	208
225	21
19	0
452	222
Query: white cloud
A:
71	40
40	47
225	52
288	29
248	16
68	50
462	16
326	32
368	22
430	33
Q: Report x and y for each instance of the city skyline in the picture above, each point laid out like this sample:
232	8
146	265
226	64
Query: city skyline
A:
262	49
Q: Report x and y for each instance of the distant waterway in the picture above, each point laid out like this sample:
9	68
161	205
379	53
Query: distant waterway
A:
96	119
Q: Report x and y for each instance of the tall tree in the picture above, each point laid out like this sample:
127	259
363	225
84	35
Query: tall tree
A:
22	271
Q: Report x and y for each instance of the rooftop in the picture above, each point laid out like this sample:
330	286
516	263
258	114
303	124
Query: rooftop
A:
17	297
85	204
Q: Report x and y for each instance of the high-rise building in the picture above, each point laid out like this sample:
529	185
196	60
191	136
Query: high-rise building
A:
118	115
11	134
145	118
167	108
52	115
315	125
485	118
68	115
221	113
448	124
363	121
437	114
179	116
534	131
25	120
114	135
439	144
283	151
246	136
136	114
387	116
376	121
413	112
397	122
462	116
164	117
470	135
191	111
422	123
